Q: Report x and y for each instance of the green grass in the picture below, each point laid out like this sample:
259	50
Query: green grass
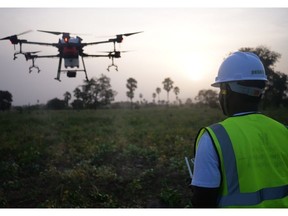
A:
100	158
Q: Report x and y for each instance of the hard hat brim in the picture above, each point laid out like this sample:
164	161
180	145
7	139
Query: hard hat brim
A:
217	84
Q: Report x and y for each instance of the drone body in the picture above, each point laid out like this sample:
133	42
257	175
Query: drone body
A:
70	53
71	49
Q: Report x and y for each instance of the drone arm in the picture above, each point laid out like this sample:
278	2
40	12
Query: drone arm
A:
94	43
40	43
94	56
47	56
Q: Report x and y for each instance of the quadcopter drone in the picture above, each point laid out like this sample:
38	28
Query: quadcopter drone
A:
71	49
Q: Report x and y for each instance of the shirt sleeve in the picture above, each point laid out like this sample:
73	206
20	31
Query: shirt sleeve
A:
206	165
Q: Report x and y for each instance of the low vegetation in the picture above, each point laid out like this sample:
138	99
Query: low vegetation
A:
100	158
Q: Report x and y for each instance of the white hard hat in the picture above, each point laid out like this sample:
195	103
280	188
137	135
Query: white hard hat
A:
240	66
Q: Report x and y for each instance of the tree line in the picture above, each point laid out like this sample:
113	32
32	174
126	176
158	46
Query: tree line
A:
97	92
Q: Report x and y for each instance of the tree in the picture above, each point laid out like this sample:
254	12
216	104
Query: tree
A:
176	91
167	86
158	91
56	104
140	96
77	93
67	97
154	96
5	100
188	102
89	92
277	85
208	97
78	103
106	94
131	85
95	93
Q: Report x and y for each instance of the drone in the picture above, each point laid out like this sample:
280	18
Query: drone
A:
70	49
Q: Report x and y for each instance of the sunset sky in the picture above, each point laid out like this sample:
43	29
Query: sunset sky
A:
186	44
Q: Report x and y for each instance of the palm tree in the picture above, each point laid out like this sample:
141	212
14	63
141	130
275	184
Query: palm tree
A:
140	96
167	85
67	97
176	91
131	85
154	96
158	91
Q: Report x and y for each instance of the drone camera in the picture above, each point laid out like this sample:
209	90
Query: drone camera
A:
66	39
71	74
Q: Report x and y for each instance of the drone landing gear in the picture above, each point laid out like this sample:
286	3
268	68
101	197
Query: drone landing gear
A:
116	67
30	69
33	66
112	65
70	73
84	68
15	55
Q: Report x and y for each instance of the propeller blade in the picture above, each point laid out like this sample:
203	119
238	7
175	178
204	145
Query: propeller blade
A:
34	52
59	33
128	34
24	32
15	36
7	38
126	51
51	32
116	51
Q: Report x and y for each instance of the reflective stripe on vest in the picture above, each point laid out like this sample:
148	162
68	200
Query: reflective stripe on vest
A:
234	196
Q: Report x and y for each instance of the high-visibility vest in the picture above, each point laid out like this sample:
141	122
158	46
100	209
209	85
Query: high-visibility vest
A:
253	154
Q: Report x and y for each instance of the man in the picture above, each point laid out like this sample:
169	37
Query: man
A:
243	160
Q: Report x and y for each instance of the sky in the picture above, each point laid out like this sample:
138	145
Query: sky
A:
186	44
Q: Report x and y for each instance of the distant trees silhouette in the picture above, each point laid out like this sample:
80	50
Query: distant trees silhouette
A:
94	93
67	97
167	86
208	97
158	91
5	100
131	85
176	91
56	104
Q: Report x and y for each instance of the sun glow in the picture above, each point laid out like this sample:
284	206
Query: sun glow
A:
195	67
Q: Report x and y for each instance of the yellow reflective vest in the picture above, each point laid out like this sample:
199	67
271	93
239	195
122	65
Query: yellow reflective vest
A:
253	154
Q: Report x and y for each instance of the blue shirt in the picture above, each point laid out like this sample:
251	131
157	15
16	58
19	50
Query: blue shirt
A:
206	165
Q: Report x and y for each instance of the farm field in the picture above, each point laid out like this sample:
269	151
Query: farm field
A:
101	158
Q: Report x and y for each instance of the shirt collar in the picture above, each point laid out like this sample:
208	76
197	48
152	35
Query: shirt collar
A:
245	113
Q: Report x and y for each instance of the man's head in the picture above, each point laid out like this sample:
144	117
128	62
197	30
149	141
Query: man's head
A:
241	78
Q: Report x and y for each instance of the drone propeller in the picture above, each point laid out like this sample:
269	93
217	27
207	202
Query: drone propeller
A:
119	35
114	54
25	32
14	37
59	33
34	52
115	51
128	34
52	32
